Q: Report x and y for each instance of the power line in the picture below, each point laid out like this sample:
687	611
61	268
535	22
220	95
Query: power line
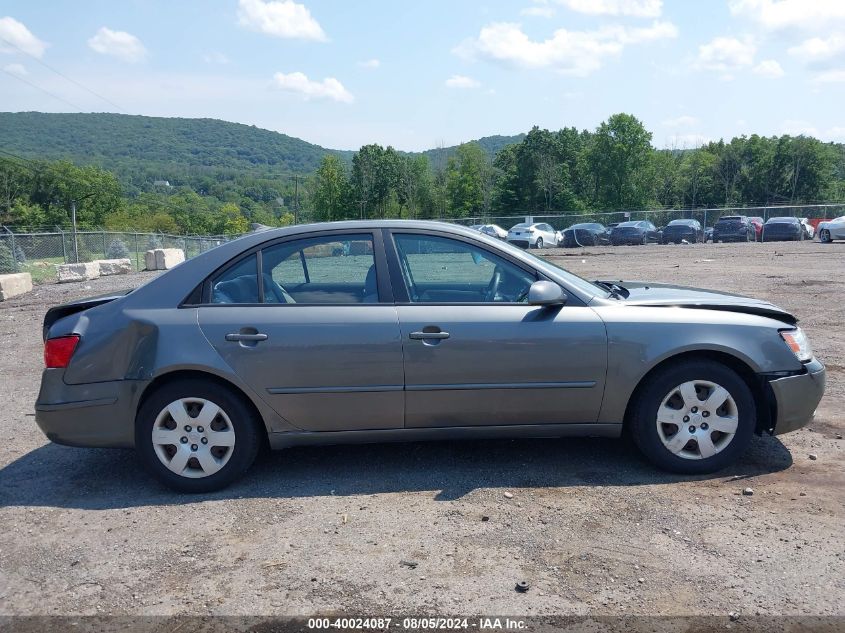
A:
61	74
45	91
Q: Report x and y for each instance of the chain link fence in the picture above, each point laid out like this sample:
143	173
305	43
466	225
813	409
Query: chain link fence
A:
37	252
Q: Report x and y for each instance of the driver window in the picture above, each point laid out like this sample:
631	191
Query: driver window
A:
443	270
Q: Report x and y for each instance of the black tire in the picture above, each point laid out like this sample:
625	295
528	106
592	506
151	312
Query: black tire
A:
644	240
824	236
539	243
643	419
246	427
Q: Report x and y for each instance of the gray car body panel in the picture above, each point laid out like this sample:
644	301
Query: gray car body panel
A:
507	368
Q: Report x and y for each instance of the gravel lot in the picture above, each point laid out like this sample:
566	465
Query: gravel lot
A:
588	523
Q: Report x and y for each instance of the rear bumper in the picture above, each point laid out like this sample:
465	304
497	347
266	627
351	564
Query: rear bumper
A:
96	415
797	397
520	243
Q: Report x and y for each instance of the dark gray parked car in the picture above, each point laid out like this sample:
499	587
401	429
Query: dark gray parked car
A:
391	330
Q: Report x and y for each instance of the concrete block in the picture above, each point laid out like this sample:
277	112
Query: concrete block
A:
77	272
167	258
14	284
150	260
114	266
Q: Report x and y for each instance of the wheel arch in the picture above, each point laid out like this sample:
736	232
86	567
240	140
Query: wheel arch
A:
195	374
763	398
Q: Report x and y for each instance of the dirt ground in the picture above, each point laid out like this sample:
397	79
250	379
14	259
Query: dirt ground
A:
428	528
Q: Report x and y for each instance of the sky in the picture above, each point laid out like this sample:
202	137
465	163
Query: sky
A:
416	75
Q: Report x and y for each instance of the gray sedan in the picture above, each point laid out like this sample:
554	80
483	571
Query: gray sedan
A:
396	330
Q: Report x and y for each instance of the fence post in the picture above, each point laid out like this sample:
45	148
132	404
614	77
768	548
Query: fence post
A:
105	250
64	246
15	262
137	254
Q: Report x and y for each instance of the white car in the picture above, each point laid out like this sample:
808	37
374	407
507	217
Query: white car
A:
832	229
538	235
809	229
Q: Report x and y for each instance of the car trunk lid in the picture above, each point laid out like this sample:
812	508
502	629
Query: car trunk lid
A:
73	307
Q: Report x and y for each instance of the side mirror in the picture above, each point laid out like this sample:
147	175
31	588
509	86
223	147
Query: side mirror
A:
546	293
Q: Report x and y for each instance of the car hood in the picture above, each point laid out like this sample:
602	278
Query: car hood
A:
666	295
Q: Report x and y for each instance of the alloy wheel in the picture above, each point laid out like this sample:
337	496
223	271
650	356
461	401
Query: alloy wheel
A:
697	419
193	437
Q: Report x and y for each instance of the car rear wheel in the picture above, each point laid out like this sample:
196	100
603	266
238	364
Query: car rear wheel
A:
539	243
196	437
694	417
824	236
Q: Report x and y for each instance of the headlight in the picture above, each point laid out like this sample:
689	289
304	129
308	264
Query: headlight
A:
798	343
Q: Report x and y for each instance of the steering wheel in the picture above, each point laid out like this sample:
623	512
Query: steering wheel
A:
493	286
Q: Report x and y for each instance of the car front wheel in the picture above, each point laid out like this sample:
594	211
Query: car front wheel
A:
824	236
196	437
694	417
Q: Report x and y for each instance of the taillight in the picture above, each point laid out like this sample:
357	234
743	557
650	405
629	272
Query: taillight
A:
58	351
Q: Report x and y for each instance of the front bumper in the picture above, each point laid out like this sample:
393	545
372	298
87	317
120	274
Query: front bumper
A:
796	397
95	415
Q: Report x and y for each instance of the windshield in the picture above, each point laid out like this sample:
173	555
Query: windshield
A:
781	220
632	223
682	223
586	225
731	218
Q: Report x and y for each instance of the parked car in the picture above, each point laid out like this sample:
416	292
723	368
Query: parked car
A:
830	230
708	234
539	235
585	234
757	222
635	232
780	229
493	230
734	228
280	338
809	229
678	230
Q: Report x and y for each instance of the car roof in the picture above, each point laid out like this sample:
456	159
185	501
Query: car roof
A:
683	221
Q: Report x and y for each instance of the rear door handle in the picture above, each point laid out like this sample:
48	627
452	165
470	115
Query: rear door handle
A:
421	336
237	336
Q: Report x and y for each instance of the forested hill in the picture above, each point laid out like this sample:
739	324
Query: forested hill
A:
141	149
157	144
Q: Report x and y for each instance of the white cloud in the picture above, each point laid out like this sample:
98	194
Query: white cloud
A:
543	11
636	8
818	49
830	77
725	54
570	52
298	83
370	63
20	38
216	57
769	68
780	14
16	69
282	18
685	120
118	44
461	81
797	128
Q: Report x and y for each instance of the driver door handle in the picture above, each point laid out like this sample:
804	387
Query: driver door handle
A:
237	336
421	336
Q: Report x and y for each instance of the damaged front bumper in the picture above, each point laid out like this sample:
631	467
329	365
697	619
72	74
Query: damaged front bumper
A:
796	397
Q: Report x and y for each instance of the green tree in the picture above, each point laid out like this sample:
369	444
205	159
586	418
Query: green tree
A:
619	158
331	190
467	173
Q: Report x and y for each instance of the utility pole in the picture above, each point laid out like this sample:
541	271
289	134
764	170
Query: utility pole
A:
73	224
296	199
